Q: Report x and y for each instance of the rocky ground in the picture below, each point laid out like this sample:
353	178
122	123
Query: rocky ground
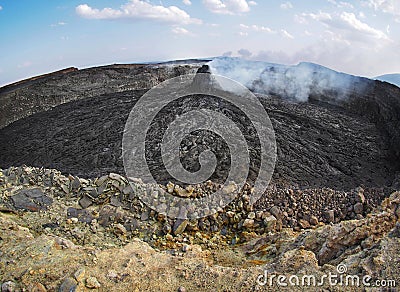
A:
71	234
317	146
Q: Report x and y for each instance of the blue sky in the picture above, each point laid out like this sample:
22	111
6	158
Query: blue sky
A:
360	37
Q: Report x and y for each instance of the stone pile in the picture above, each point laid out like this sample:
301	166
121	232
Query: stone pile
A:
111	202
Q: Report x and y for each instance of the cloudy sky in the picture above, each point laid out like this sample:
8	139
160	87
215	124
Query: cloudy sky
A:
360	37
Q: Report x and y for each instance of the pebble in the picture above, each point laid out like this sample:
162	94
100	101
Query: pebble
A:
358	208
181	289
92	283
304	223
8	286
313	220
144	216
276	212
79	275
112	275
248	223
270	222
75	184
116	177
85	202
69	285
185	247
167	228
179	226
360	196
170	187
230	214
119	229
330	216
100	181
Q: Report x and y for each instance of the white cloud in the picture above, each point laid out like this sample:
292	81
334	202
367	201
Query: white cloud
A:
243	33
320	16
137	9
346	5
348	27
1	8
60	23
180	31
285	34
352	22
341	4
286	5
228	6
255	27
387	6
187	2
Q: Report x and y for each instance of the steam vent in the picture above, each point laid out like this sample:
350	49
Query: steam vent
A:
71	218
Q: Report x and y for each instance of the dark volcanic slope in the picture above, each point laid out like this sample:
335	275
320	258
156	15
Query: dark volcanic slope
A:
318	146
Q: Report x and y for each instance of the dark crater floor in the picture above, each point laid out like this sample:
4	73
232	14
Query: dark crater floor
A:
318	145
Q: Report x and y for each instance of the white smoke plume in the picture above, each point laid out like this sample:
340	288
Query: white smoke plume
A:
296	83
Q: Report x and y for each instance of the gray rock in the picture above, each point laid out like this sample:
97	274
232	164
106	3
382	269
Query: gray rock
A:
276	212
8	286
329	216
85	202
83	215
100	181
75	184
358	208
166	228
116	202
31	200
179	226
69	285
127	190
144	216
